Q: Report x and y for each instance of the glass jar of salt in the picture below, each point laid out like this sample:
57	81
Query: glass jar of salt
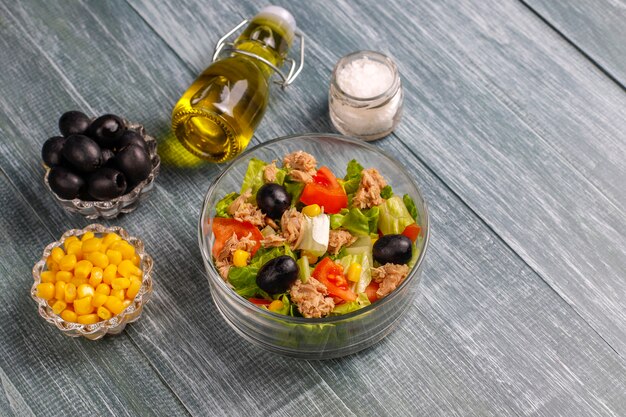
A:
365	98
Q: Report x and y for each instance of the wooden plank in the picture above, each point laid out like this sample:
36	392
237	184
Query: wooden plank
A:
468	115
462	343
46	373
597	27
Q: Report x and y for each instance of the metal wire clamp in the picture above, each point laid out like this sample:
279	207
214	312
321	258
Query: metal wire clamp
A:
294	68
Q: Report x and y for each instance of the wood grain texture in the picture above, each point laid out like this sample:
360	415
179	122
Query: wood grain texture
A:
486	337
519	124
597	27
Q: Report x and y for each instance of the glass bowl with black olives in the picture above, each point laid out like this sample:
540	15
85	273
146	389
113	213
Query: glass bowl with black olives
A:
100	167
309	253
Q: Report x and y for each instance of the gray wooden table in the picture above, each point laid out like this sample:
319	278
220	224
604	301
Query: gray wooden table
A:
514	126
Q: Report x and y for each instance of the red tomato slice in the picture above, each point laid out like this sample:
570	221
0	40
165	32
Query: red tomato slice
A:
412	231
224	228
370	291
330	274
325	191
260	301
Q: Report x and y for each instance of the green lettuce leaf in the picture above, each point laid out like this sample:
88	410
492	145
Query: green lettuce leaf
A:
294	189
254	176
386	192
365	259
410	205
281	174
357	221
353	177
221	208
394	216
361	301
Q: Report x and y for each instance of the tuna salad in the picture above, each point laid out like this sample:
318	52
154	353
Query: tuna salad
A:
297	240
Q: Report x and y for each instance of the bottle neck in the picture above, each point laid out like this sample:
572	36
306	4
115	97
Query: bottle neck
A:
266	39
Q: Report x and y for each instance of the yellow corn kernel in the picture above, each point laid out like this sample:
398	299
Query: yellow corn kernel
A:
126	303
84	290
374	239
92	245
276	305
70	293
75	248
83	305
67	263
312	258
79	281
120	283
98	299
69	240
95	278
87	236
103	289
119	294
133	289
240	257
114	305
45	291
136	260
126	249
354	272
69	315
312	210
59	290
115	256
52	266
59	306
109	273
83	269
48	276
65	276
56	254
126	269
103	313
99	259
88	319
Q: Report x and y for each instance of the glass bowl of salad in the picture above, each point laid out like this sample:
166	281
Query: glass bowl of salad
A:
314	244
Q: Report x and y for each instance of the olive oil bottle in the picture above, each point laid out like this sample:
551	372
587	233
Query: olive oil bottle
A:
216	117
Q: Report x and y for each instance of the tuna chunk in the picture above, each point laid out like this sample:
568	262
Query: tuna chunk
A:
300	176
269	172
338	239
368	193
273	240
291	225
224	259
300	161
244	211
311	298
389	276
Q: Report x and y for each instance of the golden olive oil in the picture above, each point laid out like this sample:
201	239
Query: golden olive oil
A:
217	115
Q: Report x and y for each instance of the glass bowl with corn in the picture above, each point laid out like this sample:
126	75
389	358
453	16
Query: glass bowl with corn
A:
93	281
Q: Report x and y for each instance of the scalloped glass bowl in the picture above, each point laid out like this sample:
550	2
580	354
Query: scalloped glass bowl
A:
122	204
328	337
115	324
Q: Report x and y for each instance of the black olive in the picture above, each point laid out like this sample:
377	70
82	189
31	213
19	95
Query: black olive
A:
273	200
65	183
393	249
106	183
107	130
277	274
82	153
134	161
51	151
130	137
73	123
107	155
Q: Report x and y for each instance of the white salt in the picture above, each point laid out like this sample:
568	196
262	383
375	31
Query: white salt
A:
364	78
